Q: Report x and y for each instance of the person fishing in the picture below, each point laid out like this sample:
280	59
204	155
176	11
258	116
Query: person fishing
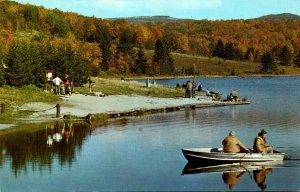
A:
231	144
260	144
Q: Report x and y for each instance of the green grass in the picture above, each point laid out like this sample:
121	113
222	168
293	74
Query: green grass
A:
25	94
14	97
205	66
117	87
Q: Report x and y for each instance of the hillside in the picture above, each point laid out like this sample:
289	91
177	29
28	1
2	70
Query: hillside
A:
186	36
279	17
207	67
168	19
36	39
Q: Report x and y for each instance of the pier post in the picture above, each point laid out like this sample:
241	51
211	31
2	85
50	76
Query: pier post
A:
3	108
57	110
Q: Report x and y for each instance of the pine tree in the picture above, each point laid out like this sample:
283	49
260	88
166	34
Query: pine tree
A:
162	58
104	38
286	56
140	64
127	41
229	51
66	61
24	64
297	60
219	49
268	64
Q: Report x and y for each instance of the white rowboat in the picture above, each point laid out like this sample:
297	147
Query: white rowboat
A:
217	155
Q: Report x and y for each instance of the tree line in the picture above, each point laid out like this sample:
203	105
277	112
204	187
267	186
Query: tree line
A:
117	47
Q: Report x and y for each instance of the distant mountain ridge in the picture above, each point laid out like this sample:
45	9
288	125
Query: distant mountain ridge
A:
168	19
276	17
149	19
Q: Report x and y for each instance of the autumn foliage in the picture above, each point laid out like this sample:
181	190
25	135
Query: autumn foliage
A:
115	46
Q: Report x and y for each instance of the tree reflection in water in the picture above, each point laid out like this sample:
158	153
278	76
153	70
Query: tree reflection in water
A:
33	150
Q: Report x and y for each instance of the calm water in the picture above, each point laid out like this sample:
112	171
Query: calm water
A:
143	153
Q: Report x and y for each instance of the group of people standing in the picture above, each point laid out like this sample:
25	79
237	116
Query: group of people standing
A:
63	86
231	144
190	88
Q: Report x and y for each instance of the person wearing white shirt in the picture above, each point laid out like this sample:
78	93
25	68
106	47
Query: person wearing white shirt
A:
57	81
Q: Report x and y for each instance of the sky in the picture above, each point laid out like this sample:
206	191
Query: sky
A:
187	9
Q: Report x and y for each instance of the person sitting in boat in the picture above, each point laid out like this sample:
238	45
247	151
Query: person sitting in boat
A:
234	96
231	144
260	144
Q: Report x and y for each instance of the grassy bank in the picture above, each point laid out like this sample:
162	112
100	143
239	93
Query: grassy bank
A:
205	66
14	97
118	87
25	94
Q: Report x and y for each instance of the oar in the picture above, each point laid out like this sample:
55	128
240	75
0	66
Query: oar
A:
246	170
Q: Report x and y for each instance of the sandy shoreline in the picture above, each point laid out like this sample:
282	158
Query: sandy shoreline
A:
82	105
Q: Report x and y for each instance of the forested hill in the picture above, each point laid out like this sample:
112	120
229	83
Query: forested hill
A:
111	46
278	17
168	19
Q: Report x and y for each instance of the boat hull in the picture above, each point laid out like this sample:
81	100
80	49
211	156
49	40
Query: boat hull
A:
218	156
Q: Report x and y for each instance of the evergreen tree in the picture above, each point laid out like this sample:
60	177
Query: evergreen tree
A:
127	42
268	64
66	61
276	51
219	49
286	56
297	60
104	38
229	51
140	64
162	58
24	64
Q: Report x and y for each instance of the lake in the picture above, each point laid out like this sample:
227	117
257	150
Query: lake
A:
143	153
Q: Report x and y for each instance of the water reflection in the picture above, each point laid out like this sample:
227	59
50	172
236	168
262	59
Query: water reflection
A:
233	173
58	141
232	178
260	177
57	134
